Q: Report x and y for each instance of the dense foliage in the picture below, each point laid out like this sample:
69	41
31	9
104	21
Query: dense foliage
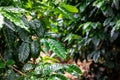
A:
25	34
88	29
95	35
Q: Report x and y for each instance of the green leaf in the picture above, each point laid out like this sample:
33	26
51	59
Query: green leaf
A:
10	62
55	67
38	27
57	77
107	21
15	19
2	64
98	3
57	48
87	27
82	7
116	3
66	14
10	25
72	68
48	59
48	69
39	69
70	8
35	48
14	9
24	51
117	25
1	20
23	34
27	67
47	47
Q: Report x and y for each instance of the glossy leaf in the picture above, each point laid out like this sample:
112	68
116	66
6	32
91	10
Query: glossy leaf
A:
23	34
27	67
14	9
35	49
1	21
10	25
57	48
15	19
72	68
24	51
38	27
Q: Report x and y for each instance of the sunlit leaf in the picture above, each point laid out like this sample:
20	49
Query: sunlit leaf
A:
1	20
15	19
57	48
70	8
14	9
65	13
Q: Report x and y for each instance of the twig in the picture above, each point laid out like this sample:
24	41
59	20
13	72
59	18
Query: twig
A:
13	67
18	71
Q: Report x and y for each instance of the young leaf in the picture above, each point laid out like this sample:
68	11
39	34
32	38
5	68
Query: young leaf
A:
24	51
65	13
70	8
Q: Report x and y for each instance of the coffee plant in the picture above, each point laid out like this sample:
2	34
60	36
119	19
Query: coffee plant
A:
77	29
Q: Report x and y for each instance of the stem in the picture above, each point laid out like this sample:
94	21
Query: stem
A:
18	71
23	74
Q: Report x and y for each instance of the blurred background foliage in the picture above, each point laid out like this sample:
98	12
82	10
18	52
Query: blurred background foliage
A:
77	29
